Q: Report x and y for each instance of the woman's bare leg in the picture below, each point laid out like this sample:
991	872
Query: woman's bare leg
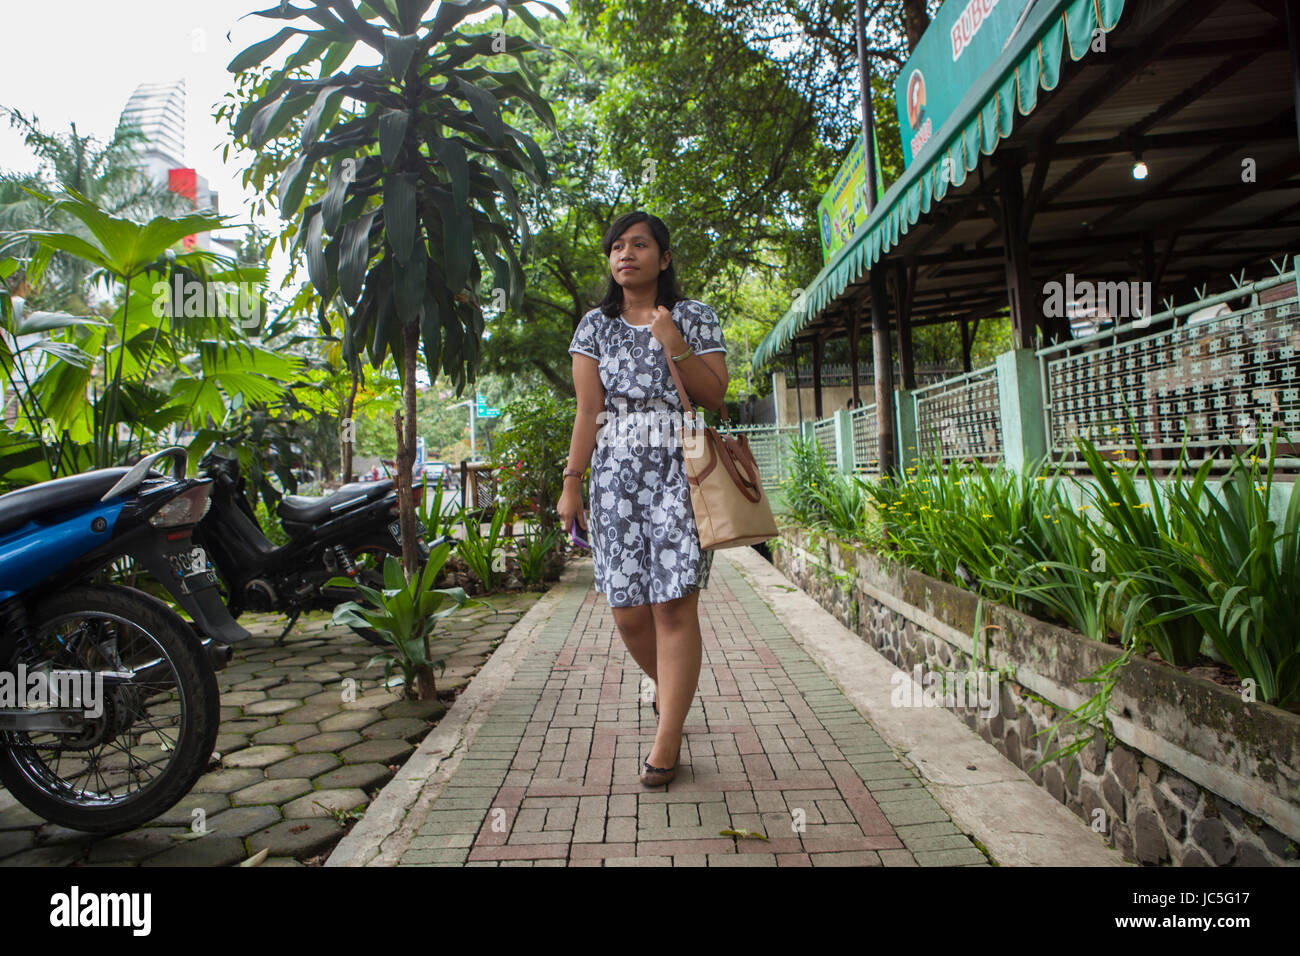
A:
679	655
636	625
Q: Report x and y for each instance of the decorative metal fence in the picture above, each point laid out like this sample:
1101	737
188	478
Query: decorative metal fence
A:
960	418
771	447
841	374
824	431
866	440
1213	381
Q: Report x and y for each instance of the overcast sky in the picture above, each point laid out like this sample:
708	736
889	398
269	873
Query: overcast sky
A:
80	60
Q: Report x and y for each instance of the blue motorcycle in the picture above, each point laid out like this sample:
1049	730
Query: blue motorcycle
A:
109	706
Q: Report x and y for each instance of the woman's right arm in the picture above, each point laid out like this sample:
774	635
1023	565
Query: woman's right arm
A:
591	402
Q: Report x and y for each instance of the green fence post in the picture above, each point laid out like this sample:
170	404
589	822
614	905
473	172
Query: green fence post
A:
908	453
844	441
1020	402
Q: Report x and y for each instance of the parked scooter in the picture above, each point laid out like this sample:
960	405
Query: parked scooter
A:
329	536
108	698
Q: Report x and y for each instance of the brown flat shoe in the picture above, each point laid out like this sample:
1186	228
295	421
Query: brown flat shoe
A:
653	776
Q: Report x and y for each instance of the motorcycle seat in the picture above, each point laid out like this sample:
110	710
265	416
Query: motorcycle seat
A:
62	494
309	509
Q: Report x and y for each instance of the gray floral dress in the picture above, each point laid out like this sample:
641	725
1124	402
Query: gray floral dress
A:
644	544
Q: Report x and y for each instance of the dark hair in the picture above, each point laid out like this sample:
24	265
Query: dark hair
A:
668	295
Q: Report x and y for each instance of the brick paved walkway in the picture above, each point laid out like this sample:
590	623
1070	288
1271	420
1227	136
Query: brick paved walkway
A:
771	746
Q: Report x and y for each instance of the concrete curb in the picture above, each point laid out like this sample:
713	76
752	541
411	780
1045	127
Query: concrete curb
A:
987	796
397	812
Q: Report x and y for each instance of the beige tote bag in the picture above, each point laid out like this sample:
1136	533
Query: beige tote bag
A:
731	508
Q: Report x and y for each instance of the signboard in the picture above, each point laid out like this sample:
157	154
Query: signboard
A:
963	40
844	207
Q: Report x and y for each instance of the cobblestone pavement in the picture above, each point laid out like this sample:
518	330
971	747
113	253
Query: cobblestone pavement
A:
771	746
292	749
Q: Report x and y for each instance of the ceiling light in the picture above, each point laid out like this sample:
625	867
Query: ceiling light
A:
1140	170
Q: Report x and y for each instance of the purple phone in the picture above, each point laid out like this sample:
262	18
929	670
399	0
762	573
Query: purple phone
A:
578	539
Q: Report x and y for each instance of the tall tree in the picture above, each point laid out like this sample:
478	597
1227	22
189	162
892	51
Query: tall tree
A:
566	270
813	41
416	180
915	19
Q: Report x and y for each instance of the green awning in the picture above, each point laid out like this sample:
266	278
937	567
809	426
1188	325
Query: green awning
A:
983	119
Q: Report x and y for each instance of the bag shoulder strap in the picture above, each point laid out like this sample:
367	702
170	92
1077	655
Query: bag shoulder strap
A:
681	391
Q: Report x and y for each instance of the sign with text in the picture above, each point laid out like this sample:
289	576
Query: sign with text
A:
963	40
844	207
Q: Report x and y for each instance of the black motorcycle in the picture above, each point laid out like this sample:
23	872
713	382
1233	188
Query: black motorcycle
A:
347	533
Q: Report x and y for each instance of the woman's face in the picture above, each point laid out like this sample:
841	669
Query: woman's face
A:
635	259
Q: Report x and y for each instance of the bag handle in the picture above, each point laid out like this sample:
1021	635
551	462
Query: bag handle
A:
748	483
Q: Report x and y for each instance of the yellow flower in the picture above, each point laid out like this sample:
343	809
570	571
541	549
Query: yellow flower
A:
1114	504
1145	504
987	515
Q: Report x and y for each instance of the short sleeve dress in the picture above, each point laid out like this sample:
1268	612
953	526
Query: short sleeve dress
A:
644	543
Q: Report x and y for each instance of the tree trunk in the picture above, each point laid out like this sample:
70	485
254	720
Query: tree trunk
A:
349	430
406	452
424	677
405	490
915	20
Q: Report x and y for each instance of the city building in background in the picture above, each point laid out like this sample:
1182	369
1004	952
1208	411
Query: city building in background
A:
158	109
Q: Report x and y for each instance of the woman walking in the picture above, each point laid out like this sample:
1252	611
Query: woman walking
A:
645	546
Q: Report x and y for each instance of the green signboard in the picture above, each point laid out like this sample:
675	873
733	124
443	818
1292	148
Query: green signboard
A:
844	207
963	40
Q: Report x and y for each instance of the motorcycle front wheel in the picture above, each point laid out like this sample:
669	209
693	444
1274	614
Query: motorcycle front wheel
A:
151	715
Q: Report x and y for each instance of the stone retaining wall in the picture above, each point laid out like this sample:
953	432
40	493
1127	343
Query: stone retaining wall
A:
1196	776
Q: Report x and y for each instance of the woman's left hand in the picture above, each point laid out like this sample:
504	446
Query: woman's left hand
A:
665	330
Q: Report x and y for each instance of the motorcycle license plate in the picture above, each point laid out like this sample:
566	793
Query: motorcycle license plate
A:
395	528
191	565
